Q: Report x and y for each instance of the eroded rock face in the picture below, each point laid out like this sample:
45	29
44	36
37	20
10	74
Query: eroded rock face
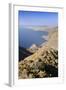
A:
43	62
45	65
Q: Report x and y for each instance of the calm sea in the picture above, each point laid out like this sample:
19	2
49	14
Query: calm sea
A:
28	37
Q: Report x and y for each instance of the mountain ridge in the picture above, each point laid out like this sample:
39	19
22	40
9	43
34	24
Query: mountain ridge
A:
44	62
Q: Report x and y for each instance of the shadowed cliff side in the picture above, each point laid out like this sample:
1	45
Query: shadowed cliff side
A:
23	53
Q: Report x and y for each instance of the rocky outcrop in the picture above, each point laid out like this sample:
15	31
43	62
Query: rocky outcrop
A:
33	48
44	62
46	65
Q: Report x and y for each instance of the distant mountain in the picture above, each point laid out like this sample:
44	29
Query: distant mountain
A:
40	28
23	53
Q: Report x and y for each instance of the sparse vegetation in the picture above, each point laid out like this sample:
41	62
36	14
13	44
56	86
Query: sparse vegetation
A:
47	66
42	63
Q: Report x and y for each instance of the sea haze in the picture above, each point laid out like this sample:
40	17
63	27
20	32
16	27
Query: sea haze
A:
28	37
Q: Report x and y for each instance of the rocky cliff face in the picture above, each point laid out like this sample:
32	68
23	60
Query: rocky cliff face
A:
33	48
43	63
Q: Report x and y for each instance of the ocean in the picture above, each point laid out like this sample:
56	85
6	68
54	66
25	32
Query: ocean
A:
28	37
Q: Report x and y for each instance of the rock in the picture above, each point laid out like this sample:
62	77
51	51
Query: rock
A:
42	74
24	74
46	65
43	62
33	48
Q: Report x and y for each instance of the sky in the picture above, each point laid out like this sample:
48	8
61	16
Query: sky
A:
37	18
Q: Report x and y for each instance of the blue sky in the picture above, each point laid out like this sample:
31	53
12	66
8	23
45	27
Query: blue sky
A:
37	18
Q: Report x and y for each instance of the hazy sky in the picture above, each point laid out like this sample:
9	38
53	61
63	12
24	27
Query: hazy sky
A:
37	18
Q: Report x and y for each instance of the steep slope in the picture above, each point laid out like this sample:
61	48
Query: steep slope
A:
52	43
46	65
53	39
44	62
